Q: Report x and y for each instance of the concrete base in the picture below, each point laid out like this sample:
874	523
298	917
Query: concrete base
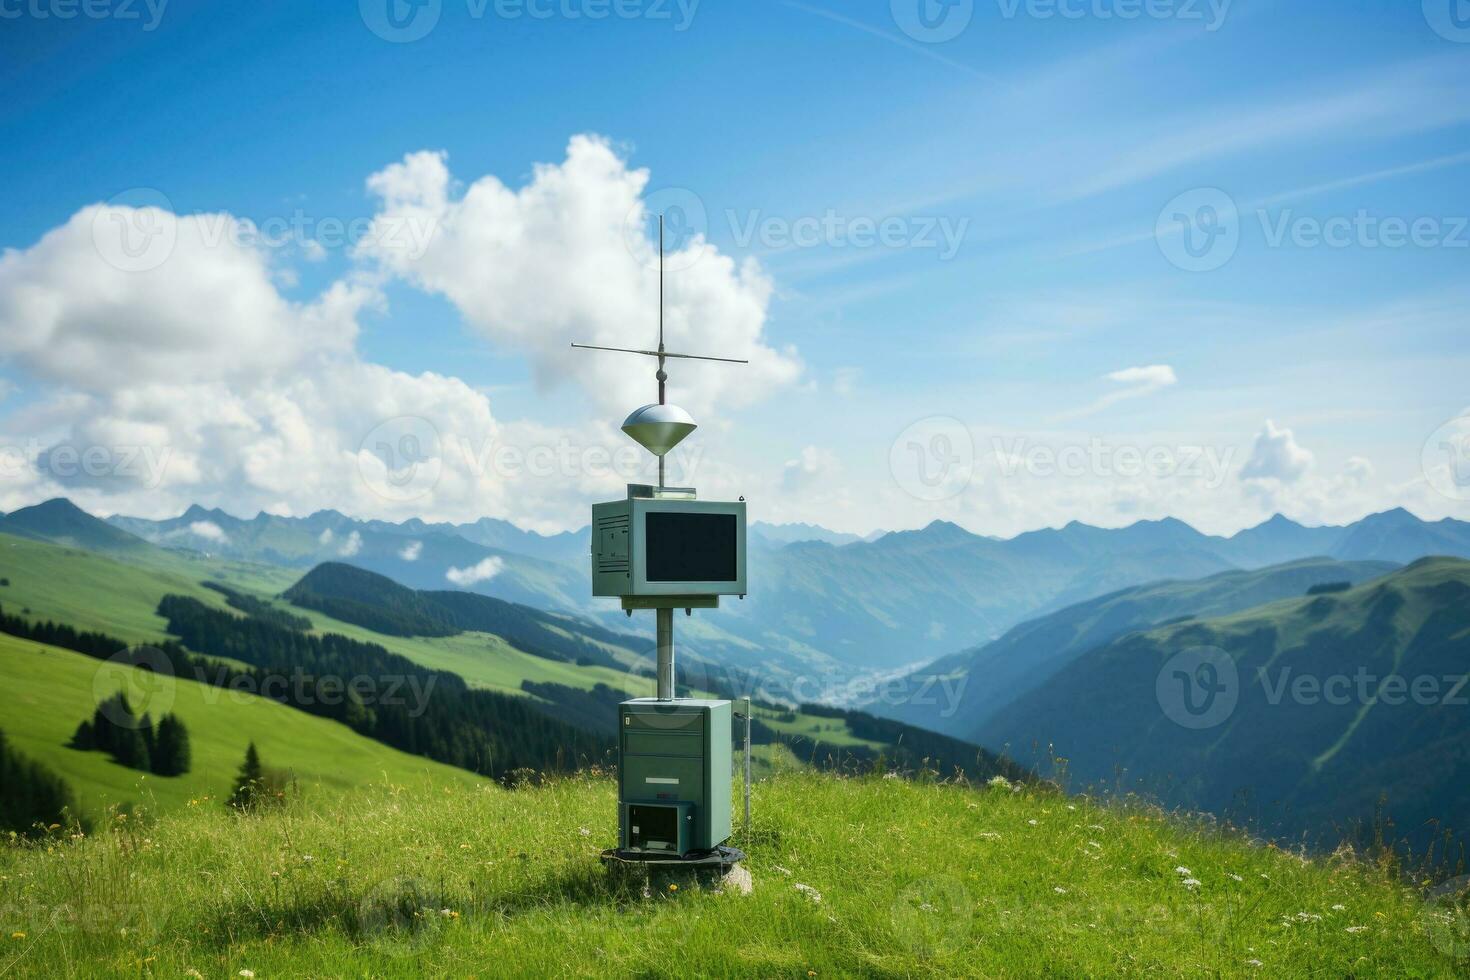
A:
716	871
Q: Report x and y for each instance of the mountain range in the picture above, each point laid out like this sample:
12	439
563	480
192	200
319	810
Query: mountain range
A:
816	609
1306	716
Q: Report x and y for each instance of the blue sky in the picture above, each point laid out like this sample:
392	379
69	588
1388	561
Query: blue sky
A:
1026	302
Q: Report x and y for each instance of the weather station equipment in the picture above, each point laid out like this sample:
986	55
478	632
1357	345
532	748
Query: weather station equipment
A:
661	548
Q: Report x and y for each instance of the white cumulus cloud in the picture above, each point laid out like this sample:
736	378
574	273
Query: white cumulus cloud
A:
209	531
411	551
484	571
351	546
1276	456
537	268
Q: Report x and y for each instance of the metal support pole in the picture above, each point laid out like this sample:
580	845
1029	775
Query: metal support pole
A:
665	628
747	770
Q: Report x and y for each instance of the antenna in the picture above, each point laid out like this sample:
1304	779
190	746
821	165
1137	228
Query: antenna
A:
661	426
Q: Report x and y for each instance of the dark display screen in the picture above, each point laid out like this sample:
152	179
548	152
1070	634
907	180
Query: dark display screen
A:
685	547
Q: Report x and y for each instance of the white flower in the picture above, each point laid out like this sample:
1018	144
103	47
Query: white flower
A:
988	835
998	782
1190	883
1031	822
1339	908
247	973
1060	890
1181	870
809	892
1357	928
1235	877
584	831
1254	963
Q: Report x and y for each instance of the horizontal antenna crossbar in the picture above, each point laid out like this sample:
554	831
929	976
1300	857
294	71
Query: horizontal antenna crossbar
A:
659	353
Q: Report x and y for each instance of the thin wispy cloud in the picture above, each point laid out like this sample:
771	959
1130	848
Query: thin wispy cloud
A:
1136	383
1415	97
1287	197
891	38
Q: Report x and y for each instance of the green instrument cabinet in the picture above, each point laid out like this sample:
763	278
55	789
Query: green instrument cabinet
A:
674	775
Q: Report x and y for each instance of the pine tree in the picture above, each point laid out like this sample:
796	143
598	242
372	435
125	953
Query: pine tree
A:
83	739
249	783
171	755
30	794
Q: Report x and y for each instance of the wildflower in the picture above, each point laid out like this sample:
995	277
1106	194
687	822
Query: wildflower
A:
275	874
307	859
1255	963
1357	928
584	831
988	835
194	974
999	782
1182	870
1190	883
1234	877
247	973
1339	908
1031	823
809	892
464	847
17	935
890	775
1060	890
673	887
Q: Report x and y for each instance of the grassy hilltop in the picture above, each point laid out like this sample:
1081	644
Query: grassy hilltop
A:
853	876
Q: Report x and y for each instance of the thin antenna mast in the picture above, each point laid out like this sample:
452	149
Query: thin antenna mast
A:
676	416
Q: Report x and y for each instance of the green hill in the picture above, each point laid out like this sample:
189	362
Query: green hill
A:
382	605
960	693
851	877
1310	712
122	598
62	522
48	691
